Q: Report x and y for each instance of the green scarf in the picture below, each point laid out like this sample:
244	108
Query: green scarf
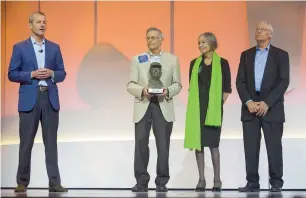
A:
213	115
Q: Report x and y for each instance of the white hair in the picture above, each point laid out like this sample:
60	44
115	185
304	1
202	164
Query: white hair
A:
270	28
155	29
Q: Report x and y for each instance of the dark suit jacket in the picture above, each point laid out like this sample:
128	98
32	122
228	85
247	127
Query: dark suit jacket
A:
274	84
23	62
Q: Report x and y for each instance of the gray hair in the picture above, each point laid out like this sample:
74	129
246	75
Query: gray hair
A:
155	29
270	28
31	18
211	38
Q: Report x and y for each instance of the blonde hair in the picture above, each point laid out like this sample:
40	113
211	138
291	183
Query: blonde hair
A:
31	18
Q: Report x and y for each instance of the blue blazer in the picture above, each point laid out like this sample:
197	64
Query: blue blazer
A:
23	62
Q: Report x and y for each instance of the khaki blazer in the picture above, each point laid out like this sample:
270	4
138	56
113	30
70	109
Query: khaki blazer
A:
139	78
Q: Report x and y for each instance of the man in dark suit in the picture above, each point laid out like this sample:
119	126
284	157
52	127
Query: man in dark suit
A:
37	65
262	80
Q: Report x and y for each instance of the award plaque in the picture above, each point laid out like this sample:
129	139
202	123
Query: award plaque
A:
155	86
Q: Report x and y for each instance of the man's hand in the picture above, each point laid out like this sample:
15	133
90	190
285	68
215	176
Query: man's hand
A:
45	73
145	93
35	74
262	108
225	96
165	92
252	106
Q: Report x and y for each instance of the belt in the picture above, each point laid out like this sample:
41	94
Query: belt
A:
43	88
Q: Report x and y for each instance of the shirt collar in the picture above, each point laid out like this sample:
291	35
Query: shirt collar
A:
151	54
266	48
34	42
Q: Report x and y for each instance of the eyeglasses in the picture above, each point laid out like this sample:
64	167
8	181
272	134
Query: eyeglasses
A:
261	30
152	38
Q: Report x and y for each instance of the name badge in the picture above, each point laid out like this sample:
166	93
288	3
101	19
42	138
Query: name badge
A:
143	58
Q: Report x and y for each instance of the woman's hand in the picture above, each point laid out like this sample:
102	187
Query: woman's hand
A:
225	96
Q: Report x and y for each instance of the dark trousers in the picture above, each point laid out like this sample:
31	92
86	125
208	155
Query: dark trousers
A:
28	126
162	132
273	133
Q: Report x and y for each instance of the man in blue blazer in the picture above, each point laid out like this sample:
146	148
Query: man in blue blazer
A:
37	65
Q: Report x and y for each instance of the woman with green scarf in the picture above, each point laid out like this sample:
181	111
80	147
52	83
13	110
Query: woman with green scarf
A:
209	87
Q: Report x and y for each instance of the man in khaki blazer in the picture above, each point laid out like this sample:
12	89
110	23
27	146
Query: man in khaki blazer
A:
150	110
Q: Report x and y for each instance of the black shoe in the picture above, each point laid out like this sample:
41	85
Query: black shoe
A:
275	189
58	188
217	186
201	186
250	188
216	189
20	189
140	188
161	188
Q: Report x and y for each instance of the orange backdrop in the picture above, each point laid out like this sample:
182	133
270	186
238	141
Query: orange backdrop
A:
123	25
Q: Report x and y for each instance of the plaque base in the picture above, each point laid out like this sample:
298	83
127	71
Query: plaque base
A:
155	91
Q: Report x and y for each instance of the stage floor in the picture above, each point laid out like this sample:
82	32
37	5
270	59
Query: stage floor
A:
176	193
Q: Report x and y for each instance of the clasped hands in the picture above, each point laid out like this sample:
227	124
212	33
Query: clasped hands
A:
42	73
260	108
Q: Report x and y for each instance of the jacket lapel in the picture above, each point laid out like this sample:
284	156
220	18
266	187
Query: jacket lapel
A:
200	74
268	66
163	62
146	67
31	52
251	61
47	48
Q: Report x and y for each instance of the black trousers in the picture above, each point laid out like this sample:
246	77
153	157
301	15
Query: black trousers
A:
162	131
273	133
28	126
